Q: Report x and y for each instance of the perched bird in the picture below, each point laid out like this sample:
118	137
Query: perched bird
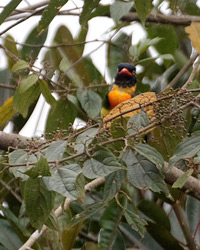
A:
123	89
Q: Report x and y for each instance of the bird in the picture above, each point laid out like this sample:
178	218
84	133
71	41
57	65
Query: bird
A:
123	88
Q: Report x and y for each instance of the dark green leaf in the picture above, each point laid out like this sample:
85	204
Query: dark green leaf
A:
27	92
63	180
51	221
133	219
109	223
84	139
20	156
90	102
136	122
163	237
12	48
38	201
8	237
151	154
113	183
61	116
144	243
186	149
49	13
55	151
143	9
8	9
46	93
155	212
88	7
102	164
144	174
30	53
94	169
169	42
180	182
76	72
15	221
118	51
119	9
192	211
88	212
41	168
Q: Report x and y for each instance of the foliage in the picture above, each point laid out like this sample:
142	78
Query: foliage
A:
97	187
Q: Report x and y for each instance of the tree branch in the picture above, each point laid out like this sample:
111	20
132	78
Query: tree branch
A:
183	20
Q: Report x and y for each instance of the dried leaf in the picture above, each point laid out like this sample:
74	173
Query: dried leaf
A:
194	34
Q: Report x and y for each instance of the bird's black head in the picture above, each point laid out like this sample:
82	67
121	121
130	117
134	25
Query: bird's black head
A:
126	75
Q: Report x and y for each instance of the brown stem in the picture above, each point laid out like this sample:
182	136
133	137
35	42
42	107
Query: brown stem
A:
179	214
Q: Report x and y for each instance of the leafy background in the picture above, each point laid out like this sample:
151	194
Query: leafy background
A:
134	185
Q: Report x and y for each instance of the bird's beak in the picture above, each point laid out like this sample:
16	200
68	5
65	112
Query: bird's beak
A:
124	71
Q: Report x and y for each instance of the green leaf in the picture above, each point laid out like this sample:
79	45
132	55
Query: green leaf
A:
38	201
102	164
180	182
151	154
16	222
8	9
20	156
154	212
61	116
143	9
21	64
113	184
6	111
84	139
109	222
8	237
136	122
69	236
189	148
192	211
55	151
143	174
47	93
169	42
63	180
90	102
90	246
10	45
41	168
51	221
133	219
88	7
163	236
49	13
119	9
118	51
27	92
77	72
88	212
30	53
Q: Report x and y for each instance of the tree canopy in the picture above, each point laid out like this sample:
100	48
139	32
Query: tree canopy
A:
116	183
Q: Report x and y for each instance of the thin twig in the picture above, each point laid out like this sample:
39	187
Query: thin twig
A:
182	71
192	75
179	214
21	20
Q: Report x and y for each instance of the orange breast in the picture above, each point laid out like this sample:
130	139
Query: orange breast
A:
116	97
